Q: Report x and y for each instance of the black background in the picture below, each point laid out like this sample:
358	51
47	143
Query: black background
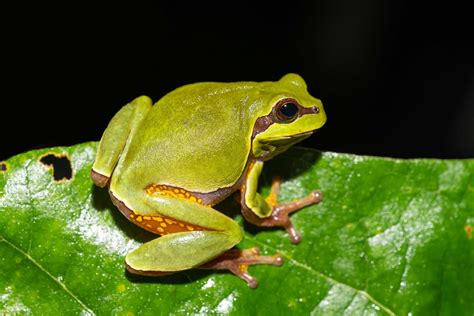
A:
396	77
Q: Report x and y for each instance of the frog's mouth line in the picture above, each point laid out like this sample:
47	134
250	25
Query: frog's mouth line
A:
305	134
278	144
293	137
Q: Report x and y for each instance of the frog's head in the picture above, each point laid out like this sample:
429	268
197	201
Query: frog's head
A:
291	115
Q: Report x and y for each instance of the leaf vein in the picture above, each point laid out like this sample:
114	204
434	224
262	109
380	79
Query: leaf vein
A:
62	285
326	277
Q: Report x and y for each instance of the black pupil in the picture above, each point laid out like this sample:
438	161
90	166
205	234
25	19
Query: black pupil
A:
289	110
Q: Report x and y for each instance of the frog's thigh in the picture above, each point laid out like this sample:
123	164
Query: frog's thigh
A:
181	210
183	250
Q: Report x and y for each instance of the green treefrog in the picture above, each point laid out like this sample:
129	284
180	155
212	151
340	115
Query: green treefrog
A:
168	164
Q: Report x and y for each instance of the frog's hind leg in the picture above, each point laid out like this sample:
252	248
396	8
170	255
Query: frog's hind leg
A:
182	251
194	236
237	261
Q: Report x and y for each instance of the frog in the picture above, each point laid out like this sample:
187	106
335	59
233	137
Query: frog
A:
167	165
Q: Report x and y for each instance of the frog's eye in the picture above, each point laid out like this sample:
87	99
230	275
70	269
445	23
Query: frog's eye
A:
286	110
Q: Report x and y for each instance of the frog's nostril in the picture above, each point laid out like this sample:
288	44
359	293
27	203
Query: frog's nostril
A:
312	110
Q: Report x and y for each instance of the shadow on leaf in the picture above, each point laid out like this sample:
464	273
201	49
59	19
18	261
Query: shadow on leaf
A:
181	277
101	201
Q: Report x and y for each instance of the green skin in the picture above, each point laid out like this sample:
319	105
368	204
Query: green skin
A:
205	138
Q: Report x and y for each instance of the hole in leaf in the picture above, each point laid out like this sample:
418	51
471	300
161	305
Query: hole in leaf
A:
60	164
3	167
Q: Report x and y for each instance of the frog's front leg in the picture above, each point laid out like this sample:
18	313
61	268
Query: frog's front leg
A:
194	236
266	212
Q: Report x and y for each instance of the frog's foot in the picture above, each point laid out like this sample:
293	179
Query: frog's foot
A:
280	212
237	261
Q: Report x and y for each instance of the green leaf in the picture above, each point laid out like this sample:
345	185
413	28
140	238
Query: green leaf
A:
390	237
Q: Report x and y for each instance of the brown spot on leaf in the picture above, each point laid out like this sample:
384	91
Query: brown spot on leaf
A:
60	164
468	229
3	166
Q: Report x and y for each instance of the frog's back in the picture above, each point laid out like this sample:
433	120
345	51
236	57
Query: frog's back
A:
197	137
